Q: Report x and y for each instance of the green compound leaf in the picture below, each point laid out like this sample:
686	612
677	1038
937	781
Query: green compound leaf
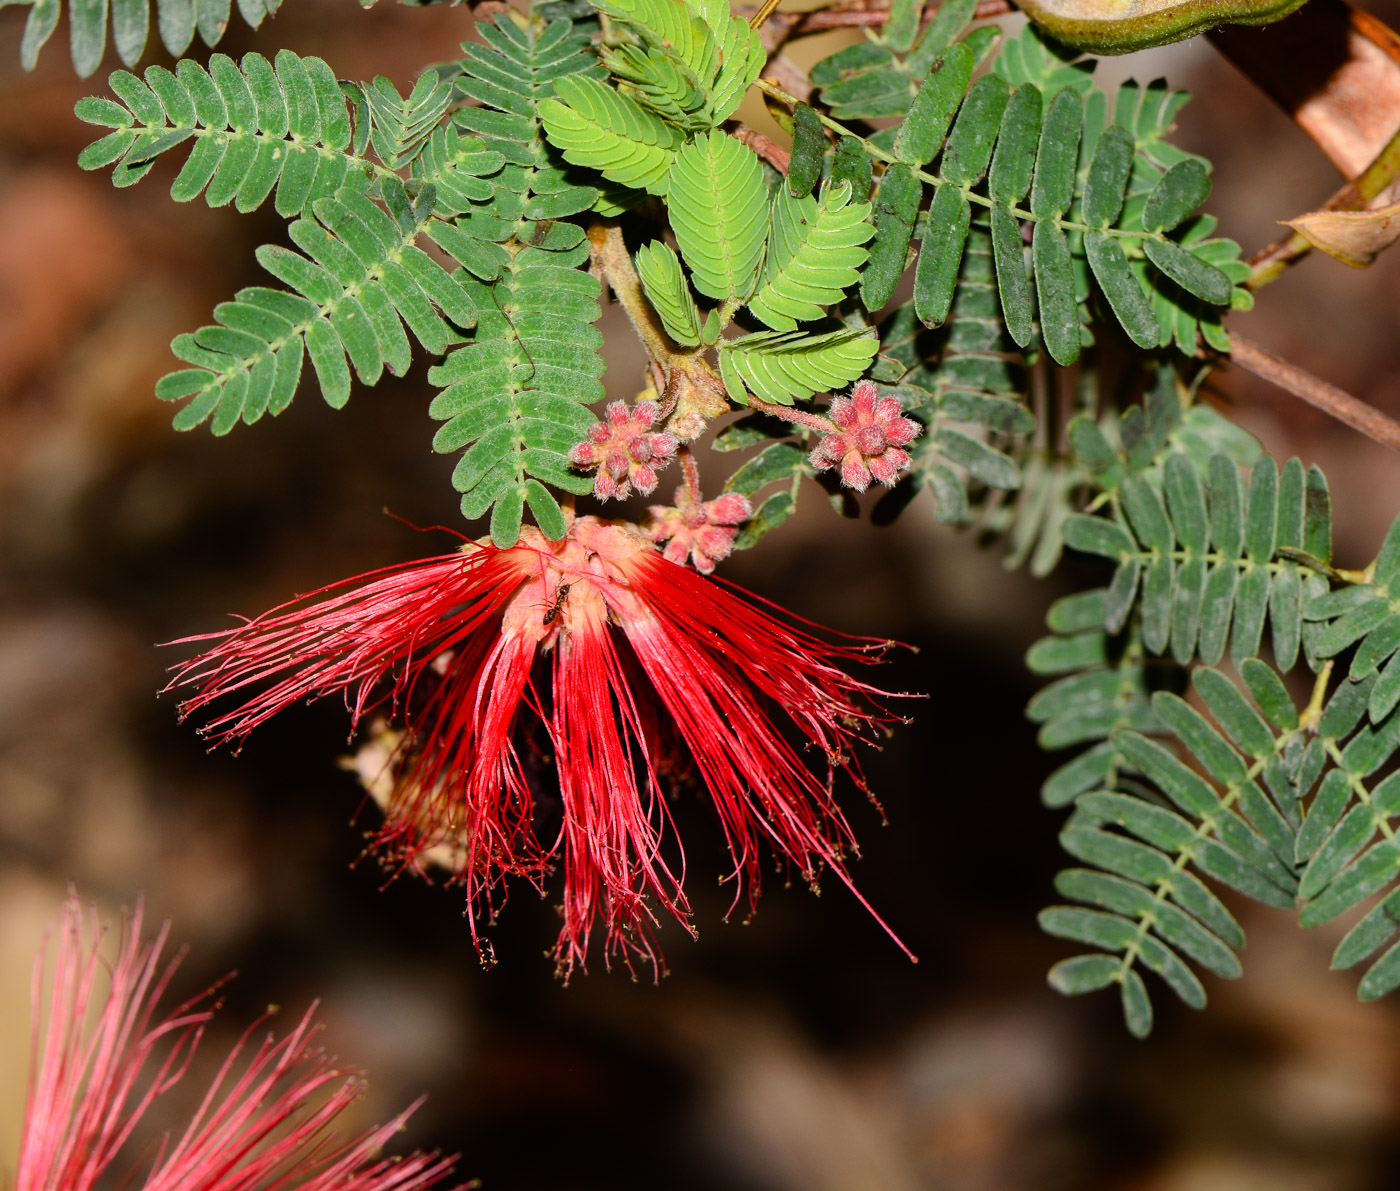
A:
815	253
719	214
1210	559
963	381
775	463
398	126
1273	804
515	398
1218	818
741	56
360	281
1072	166
1364	615
660	82
808	149
1032	58
597	127
1103	685
250	130
714	57
668	292
783	367
131	23
668	25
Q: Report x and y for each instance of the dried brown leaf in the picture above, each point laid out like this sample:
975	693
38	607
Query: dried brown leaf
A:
1355	238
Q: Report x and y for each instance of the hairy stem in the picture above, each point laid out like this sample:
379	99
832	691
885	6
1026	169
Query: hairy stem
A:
611	257
1327	397
690	471
795	416
771	152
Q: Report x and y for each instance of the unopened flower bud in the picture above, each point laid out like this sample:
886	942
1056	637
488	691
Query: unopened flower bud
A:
624	450
703	531
870	438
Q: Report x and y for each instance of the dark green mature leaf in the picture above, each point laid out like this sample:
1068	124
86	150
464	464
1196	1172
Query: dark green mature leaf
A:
896	205
1013	279
131	20
1013	161
1178	192
1055	291
969	148
1108	177
852	164
926	125
808	150
1125	296
1190	271
940	254
776	462
1053	185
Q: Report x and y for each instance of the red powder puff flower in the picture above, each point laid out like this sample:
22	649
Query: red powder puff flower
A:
625	450
868	442
649	661
101	1058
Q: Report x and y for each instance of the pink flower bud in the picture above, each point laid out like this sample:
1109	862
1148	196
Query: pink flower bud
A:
625	450
703	531
872	431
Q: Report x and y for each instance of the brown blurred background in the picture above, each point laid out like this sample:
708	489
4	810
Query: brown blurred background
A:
800	1052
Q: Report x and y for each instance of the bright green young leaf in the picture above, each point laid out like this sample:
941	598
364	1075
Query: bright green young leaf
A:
782	367
815	252
719	213
668	292
597	127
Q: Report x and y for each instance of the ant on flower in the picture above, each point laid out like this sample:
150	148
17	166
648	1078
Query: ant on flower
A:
561	593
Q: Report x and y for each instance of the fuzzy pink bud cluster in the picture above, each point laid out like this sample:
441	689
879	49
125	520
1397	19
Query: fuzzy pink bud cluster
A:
702	531
625	450
869	440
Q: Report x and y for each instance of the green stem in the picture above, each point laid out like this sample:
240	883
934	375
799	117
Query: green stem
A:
776	92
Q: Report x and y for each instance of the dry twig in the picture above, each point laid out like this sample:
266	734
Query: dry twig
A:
1327	397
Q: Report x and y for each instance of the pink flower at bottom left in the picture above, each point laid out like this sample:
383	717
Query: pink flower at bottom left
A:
103	1052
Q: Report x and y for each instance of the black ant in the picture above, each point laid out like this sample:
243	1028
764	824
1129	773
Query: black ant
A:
561	593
